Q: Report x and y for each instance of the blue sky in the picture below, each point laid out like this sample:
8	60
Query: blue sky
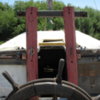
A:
81	3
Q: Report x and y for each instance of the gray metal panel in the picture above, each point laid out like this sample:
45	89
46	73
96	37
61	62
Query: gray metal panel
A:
89	75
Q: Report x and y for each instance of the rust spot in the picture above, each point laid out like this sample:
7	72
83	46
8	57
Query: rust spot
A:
92	80
23	55
92	72
92	77
92	86
78	56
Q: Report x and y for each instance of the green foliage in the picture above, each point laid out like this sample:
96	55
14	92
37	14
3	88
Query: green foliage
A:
1	42
91	24
2	6
97	35
11	25
7	24
58	23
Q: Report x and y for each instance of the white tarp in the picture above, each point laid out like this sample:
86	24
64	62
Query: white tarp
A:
81	39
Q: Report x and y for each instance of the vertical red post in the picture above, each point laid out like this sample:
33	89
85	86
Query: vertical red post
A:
31	38
69	26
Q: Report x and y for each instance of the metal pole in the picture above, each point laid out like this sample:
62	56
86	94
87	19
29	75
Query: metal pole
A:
69	26
45	17
31	37
50	8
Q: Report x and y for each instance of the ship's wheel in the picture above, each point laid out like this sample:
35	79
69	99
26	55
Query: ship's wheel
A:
55	88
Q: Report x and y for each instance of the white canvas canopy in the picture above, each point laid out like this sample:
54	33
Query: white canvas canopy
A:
81	39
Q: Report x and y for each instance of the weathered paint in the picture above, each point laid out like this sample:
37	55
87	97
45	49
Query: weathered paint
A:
69	26
89	75
32	56
32	59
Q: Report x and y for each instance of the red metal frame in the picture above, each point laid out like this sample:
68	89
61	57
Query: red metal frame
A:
31	37
32	58
69	26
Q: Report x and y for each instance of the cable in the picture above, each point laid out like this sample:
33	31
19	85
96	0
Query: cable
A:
95	4
20	5
8	1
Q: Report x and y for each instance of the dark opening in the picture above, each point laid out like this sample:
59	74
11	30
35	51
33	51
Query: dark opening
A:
56	40
49	60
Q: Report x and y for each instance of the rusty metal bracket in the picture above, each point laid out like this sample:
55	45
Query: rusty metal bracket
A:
31	51
71	51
